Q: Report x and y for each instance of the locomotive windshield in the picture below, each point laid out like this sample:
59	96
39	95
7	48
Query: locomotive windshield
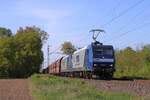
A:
99	51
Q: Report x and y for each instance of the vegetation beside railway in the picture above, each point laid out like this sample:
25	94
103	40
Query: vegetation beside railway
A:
44	87
132	63
20	53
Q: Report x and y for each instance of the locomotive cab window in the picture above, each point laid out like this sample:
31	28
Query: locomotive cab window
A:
108	51
101	51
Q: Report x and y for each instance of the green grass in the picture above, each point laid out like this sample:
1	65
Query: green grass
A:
44	87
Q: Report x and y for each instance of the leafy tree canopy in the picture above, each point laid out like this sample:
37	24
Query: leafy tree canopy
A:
21	54
5	32
68	48
130	62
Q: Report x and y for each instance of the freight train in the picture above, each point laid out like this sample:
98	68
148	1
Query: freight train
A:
95	59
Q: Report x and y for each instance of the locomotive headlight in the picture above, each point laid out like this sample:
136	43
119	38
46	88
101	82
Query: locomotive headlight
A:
95	65
111	65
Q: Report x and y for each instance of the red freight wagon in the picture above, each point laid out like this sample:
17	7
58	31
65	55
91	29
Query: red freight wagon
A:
55	67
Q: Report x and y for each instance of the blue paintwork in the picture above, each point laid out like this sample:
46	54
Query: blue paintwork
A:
89	58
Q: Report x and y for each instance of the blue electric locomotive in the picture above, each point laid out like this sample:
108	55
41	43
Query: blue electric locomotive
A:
103	60
95	59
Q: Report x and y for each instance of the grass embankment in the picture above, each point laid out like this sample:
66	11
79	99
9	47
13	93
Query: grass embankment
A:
44	87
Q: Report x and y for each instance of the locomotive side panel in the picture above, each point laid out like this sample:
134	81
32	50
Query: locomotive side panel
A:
78	60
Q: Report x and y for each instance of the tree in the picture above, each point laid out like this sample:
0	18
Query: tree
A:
5	56
43	36
129	62
68	48
21	54
146	53
28	53
5	32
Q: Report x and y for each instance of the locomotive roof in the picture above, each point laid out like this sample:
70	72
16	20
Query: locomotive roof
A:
80	49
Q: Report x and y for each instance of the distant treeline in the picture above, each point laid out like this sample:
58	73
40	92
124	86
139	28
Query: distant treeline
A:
20	53
133	63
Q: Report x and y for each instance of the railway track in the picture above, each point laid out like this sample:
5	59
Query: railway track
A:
132	87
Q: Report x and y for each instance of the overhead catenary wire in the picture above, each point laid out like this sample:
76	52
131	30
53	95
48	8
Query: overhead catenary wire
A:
119	15
129	22
112	10
107	14
132	30
122	13
133	18
55	50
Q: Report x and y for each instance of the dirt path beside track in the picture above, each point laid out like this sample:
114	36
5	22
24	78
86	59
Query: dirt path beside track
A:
14	89
134	87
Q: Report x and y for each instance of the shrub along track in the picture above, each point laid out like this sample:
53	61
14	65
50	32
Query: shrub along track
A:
132	87
14	89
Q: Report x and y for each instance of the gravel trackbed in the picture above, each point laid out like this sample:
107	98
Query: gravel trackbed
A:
14	89
135	87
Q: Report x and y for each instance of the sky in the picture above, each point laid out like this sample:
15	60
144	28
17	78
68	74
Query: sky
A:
126	22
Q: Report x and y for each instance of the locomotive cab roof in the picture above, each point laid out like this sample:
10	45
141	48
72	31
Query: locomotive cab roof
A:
100	44
80	50
97	43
